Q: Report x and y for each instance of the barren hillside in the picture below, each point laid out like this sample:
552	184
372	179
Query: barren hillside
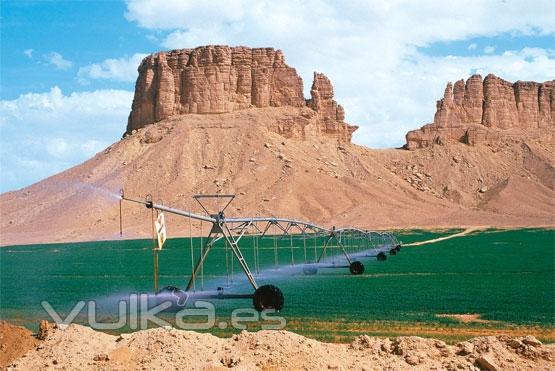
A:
282	156
316	179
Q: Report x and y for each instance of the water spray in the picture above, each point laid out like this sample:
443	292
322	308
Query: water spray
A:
350	242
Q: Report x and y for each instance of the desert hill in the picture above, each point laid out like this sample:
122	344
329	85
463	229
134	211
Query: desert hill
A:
231	120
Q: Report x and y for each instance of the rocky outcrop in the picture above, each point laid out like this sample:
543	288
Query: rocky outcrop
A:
220	79
478	111
322	99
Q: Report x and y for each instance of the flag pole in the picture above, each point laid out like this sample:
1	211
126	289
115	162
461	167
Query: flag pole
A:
120	213
155	253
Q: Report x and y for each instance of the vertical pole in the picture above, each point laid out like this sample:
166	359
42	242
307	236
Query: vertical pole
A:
192	251
154	252
367	242
275	249
254	253
304	246
257	264
348	241
227	262
323	253
340	246
292	254
205	249
224	229
120	219
202	261
333	254
156	271
232	256
315	249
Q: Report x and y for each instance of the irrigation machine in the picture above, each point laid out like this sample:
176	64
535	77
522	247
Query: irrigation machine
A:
323	248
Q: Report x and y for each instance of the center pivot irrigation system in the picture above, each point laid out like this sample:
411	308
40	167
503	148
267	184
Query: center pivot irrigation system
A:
324	248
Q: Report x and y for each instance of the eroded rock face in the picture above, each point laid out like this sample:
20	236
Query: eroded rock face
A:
220	79
322	99
479	111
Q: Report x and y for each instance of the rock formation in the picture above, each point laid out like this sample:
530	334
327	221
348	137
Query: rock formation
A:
296	160
220	79
481	111
322	99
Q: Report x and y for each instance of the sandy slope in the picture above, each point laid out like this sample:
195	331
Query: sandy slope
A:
14	342
82	348
314	178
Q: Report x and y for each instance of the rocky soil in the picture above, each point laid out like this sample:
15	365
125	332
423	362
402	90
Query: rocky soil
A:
14	342
77	347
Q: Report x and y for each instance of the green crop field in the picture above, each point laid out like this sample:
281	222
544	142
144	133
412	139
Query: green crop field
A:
505	277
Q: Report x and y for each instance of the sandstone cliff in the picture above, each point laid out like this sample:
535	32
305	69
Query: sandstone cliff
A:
479	111
293	157
222	79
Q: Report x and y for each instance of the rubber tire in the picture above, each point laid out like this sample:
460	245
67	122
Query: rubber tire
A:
356	268
398	248
381	257
393	252
268	297
310	270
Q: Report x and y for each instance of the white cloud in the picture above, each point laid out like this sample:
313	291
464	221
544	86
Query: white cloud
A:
171	14
120	69
57	147
406	100
369	49
42	134
152	38
28	53
489	49
419	22
58	61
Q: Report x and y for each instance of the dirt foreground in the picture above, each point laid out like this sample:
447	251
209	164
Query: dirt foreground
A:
78	347
14	342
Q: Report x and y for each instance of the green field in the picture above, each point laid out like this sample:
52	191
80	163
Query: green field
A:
506	277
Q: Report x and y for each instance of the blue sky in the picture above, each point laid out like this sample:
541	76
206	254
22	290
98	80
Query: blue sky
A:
68	67
83	32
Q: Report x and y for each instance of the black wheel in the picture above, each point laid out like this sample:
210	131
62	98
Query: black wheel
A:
356	268
268	297
393	252
310	270
381	257
398	247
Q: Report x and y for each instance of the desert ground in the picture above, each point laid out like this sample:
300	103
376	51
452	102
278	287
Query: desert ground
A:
76	347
